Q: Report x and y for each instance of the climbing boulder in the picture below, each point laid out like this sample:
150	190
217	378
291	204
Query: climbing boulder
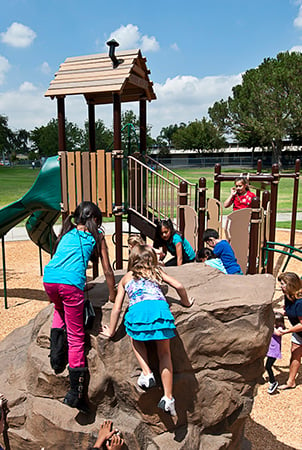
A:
217	355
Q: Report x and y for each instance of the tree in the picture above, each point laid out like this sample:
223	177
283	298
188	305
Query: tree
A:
266	108
103	136
199	135
166	133
45	138
131	132
6	137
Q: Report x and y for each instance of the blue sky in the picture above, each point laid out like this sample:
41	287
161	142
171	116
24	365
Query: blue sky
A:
196	50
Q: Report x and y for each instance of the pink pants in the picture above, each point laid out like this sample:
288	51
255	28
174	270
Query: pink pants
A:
69	304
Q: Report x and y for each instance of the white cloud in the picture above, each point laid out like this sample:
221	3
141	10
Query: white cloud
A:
27	87
298	19
149	44
186	98
26	107
296	48
179	99
174	47
45	68
129	36
18	35
4	67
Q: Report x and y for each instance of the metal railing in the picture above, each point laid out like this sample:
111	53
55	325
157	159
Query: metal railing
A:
173	177
151	194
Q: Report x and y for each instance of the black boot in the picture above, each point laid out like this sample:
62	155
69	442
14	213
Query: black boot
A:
58	349
75	396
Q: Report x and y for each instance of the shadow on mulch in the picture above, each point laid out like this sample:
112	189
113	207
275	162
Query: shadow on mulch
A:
26	293
256	437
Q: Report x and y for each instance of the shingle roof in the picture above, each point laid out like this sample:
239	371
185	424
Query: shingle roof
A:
95	78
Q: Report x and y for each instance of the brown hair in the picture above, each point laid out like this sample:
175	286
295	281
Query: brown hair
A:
244	181
293	284
279	320
143	263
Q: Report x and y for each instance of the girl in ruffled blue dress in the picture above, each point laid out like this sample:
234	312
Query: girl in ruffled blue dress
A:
148	318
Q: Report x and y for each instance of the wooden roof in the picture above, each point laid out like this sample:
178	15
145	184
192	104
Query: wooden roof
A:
95	78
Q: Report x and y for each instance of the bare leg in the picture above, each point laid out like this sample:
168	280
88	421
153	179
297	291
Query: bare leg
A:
295	362
165	366
140	352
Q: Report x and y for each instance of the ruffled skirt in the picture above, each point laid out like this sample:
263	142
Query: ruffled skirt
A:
150	320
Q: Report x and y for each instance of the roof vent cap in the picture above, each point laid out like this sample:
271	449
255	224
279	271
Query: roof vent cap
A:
112	44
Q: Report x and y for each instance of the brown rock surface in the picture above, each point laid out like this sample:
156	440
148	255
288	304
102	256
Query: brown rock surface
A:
217	356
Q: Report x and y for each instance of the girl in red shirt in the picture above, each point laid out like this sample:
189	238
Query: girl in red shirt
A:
240	196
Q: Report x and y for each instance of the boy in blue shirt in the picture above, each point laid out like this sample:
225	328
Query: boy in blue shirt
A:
222	250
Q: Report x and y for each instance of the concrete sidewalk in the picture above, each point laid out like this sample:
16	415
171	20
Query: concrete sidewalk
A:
20	233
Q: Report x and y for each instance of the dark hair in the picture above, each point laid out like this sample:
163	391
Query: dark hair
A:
210	233
279	320
205	253
88	214
158	240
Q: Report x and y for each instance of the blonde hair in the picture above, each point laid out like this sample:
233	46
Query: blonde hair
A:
135	239
293	284
143	263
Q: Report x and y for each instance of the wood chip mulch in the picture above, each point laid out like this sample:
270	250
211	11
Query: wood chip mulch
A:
276	420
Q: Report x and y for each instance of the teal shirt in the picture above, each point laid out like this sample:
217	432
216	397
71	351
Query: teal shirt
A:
188	250
68	265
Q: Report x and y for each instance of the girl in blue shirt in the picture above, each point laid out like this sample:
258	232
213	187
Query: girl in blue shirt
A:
171	241
291	286
64	280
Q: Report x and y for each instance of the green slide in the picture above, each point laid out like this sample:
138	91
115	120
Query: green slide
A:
41	203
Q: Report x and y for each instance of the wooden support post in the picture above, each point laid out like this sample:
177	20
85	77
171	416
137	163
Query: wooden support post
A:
259	169
217	182
264	236
143	126
91	126
183	200
273	217
4	272
201	210
295	202
254	235
118	181
143	146
61	124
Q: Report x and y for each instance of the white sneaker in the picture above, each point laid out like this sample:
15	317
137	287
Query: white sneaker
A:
272	387
167	405
146	381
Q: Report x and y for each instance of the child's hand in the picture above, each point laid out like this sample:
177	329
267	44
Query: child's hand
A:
116	443
104	433
162	255
277	332
191	301
233	191
105	331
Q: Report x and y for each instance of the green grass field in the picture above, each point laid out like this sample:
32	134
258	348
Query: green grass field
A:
285	191
16	181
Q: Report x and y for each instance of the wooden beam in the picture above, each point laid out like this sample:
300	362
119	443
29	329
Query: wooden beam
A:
61	124
91	126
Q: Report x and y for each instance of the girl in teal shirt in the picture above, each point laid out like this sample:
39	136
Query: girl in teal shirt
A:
171	241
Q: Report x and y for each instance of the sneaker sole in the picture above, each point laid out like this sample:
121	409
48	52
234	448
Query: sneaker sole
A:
161	404
152	383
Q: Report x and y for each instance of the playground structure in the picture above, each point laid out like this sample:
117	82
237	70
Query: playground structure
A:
140	190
